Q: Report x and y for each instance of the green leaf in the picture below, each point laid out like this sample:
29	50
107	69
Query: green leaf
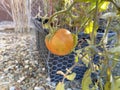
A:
60	86
71	76
89	27
86	81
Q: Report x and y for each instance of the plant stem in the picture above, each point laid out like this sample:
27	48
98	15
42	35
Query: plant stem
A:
104	47
118	8
70	69
92	35
62	11
82	26
118	38
58	13
106	31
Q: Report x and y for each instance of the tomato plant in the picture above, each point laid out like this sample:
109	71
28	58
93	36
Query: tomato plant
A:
62	42
83	15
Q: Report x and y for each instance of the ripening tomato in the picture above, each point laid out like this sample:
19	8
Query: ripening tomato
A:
61	42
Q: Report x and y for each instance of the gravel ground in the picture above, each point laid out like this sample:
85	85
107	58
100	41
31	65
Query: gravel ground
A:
19	62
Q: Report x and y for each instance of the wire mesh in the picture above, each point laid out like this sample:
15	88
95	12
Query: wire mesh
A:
55	63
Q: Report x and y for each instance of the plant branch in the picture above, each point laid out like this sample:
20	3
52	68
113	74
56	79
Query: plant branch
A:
118	8
95	24
70	69
62	11
106	31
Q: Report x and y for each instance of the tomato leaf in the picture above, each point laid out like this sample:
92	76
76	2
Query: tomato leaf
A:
89	27
104	5
86	81
71	76
60	86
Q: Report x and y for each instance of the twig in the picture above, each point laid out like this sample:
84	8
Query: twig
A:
118	8
74	65
94	24
62	11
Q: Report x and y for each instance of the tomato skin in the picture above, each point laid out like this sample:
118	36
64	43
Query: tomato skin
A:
61	43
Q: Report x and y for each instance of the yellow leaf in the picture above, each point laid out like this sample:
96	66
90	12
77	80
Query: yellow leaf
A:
89	27
60	86
76	59
104	6
71	76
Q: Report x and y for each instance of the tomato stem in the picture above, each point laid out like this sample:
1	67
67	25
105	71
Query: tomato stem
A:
58	13
74	65
62	11
93	34
118	8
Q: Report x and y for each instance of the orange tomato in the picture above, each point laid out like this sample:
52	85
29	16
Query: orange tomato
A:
61	43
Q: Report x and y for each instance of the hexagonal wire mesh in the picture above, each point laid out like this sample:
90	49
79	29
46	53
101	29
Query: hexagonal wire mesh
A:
54	62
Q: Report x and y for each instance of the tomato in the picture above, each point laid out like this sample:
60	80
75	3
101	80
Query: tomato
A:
62	42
